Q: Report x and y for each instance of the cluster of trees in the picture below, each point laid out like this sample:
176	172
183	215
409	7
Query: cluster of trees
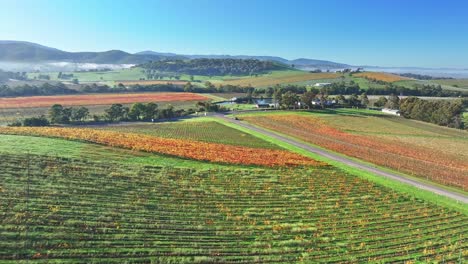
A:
417	90
116	112
31	90
39	121
142	112
393	102
288	97
65	76
390	88
212	67
6	75
64	115
423	77
442	112
153	74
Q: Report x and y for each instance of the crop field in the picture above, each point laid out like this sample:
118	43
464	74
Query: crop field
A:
153	82
206	131
96	99
283	77
381	76
196	150
432	153
64	210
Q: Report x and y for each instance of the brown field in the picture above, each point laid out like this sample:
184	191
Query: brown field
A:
96	99
151	82
280	78
429	152
381	76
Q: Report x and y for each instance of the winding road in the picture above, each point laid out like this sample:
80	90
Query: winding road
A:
352	163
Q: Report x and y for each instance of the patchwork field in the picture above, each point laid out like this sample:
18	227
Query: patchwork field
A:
381	76
184	148
67	210
423	150
97	99
284	77
206	131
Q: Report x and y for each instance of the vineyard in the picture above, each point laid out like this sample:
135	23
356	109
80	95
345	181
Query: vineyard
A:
279	78
418	160
381	76
196	150
69	210
97	99
206	131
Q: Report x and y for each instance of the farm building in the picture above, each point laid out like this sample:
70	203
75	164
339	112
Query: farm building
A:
391	111
321	84
327	102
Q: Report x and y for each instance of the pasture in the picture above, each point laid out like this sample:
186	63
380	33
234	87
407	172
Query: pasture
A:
99	204
455	83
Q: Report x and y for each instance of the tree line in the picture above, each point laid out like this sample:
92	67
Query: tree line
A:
212	67
147	112
442	112
423	77
334	89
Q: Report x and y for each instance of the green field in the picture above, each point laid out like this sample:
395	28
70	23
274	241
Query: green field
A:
136	73
68	206
461	84
206	131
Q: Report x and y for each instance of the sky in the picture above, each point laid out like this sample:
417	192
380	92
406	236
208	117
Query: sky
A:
399	33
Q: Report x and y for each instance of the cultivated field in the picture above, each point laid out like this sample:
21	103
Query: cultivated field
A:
184	148
67	210
381	76
283	77
423	150
96	99
206	131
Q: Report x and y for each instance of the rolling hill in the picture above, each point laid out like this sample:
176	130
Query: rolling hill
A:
299	63
22	51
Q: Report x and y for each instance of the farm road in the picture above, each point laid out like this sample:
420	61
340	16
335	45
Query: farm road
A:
456	196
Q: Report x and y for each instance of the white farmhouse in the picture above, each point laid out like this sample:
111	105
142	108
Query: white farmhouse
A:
391	111
321	84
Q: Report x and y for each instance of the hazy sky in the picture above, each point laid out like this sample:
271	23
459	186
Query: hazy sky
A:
374	32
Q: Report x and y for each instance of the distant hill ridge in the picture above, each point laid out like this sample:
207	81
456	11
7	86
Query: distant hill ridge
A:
22	51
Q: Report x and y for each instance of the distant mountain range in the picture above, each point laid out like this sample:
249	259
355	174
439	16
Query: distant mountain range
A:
20	51
302	62
27	52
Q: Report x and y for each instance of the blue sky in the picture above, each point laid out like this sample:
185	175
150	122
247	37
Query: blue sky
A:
366	32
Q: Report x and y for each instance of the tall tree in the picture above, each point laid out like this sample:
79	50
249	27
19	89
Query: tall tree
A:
289	99
307	98
364	100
